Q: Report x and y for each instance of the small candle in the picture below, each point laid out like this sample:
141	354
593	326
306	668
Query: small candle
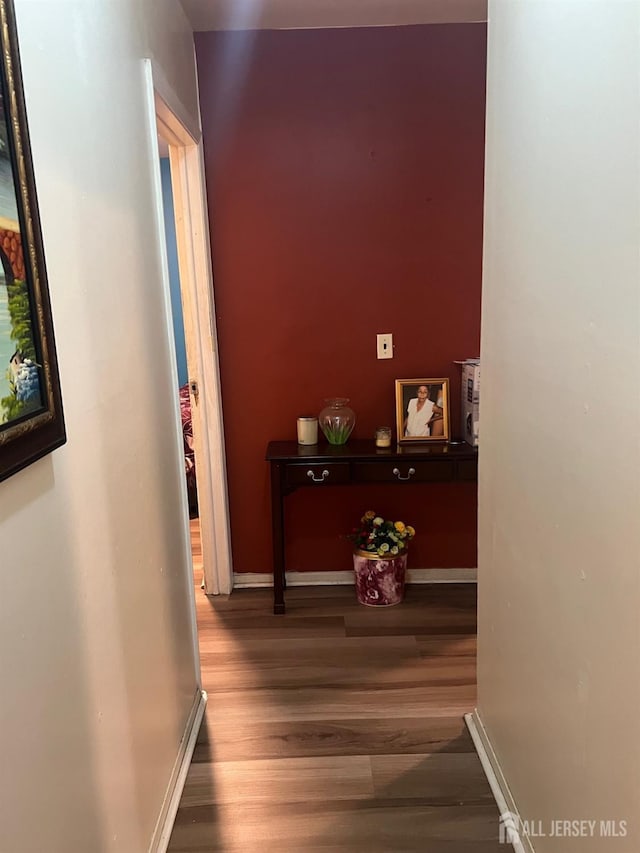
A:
307	430
383	437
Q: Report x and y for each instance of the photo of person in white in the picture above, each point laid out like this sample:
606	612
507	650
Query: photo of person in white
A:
424	416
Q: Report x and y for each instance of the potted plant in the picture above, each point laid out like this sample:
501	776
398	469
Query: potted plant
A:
380	559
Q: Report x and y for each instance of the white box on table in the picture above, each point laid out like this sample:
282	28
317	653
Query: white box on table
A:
471	400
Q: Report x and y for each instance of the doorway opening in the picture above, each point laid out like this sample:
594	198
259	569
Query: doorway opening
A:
195	342
178	333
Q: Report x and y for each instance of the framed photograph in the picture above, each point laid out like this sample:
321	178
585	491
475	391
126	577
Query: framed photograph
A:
422	410
31	419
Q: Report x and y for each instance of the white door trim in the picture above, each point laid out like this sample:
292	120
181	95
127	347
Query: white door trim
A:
194	261
196	282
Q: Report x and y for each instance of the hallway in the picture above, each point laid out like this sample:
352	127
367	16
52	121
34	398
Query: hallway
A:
337	727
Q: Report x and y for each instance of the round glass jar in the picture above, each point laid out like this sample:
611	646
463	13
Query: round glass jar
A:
337	420
383	437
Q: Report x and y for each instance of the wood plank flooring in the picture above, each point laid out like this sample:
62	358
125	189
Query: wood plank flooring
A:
336	727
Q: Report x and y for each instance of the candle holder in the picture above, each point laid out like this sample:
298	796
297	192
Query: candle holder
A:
307	430
383	437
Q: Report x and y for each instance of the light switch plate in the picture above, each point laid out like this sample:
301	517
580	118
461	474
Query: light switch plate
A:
385	346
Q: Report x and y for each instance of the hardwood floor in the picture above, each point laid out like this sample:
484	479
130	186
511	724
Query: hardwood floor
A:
337	727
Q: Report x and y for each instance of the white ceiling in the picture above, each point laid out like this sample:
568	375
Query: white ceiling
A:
309	14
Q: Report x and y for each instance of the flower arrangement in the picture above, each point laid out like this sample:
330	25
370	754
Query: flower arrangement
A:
379	536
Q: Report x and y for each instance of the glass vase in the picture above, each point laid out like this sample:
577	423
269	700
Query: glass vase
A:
337	420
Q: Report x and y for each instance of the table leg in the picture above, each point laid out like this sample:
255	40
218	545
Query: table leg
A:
277	531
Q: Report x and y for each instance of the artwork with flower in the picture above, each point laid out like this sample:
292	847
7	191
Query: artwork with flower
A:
376	535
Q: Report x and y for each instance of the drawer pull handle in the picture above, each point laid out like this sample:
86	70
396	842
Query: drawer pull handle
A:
410	474
315	479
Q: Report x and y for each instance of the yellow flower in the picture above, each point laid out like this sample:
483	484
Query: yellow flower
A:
369	515
399	526
410	531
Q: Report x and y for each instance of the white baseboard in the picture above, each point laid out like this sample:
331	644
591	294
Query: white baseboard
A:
509	815
243	580
167	816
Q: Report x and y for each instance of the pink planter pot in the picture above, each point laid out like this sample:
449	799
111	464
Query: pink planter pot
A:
379	580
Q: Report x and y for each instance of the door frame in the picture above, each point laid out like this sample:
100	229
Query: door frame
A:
198	307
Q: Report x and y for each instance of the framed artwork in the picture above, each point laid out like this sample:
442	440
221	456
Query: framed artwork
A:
31	419
422	410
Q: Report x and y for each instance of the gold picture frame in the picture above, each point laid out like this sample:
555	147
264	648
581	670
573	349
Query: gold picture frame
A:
422	410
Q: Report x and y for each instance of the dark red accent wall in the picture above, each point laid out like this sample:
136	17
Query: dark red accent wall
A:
345	184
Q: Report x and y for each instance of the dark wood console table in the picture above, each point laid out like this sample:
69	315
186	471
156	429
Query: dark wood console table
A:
294	466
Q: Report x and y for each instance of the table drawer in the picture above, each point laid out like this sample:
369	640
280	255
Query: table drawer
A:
315	475
405	471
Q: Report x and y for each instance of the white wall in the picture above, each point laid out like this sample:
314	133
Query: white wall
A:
97	667
559	613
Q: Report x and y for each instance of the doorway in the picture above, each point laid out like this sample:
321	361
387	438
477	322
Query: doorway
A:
184	391
186	173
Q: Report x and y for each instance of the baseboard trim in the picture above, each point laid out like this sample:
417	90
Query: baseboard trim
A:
244	580
510	821
168	811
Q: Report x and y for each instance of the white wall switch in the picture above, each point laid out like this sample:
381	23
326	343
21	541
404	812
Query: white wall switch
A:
385	346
